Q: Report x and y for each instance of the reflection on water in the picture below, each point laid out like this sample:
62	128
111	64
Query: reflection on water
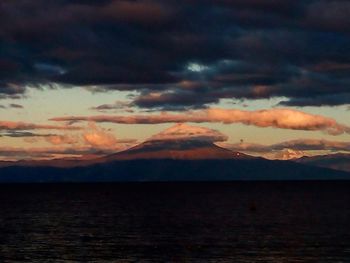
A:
190	222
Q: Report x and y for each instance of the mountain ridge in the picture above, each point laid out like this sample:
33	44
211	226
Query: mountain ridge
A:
337	161
164	160
177	150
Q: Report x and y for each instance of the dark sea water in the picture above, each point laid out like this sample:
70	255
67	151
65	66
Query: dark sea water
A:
182	222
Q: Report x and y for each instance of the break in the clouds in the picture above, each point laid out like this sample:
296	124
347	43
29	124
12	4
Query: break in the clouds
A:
277	118
188	54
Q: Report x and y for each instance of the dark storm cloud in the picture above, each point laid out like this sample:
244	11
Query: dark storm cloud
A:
328	100
192	53
329	15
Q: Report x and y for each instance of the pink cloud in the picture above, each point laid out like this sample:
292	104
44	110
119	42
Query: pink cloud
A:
98	137
92	135
62	139
277	118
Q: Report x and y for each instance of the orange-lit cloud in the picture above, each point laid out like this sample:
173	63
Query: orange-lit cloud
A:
92	135
86	140
57	151
98	137
62	139
277	118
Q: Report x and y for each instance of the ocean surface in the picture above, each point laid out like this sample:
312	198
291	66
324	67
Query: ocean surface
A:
176	222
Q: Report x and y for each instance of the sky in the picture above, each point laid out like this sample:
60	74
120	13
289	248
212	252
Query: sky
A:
267	77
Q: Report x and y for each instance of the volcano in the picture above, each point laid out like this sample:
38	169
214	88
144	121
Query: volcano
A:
180	153
180	142
177	150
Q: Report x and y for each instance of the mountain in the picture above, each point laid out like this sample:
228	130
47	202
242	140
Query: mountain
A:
58	162
180	153
153	149
181	142
339	161
177	150
169	161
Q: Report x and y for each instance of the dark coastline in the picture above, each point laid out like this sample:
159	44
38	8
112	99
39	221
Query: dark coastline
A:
168	170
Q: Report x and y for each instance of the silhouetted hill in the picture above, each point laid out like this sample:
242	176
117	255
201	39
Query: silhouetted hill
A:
339	161
161	149
59	162
173	170
166	160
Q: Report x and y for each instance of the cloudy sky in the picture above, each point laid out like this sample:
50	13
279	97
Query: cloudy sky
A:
80	77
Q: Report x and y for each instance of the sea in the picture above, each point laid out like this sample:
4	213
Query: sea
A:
176	222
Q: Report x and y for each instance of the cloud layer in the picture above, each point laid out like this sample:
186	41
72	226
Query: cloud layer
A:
300	145
188	54
277	118
90	140
12	125
289	149
183	131
20	153
95	141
